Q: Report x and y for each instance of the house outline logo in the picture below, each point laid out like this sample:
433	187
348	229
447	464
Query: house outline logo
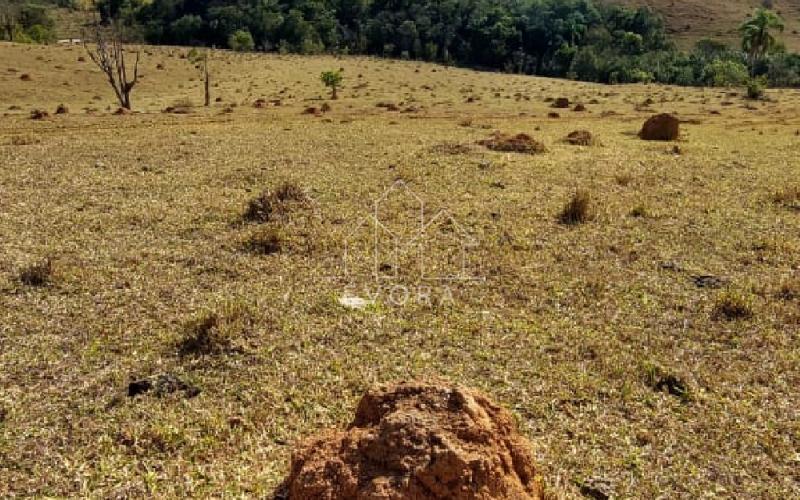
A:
386	248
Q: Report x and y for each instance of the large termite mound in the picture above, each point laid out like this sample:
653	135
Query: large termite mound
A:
417	441
663	127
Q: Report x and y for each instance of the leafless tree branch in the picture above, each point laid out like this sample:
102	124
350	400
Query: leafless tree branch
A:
108	53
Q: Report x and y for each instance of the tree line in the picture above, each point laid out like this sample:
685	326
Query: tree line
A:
578	39
524	36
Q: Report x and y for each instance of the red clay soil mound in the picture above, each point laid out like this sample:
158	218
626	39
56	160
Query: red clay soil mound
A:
663	127
520	143
417	441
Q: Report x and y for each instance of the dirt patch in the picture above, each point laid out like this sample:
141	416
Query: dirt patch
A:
520	143
450	148
417	440
389	106
580	138
663	127
161	385
180	107
39	114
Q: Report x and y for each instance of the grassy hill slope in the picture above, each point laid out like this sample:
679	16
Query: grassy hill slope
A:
621	355
690	20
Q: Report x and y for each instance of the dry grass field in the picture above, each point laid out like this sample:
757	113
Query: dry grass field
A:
650	350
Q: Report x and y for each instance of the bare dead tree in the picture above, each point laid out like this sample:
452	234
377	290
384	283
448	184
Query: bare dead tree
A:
108	54
200	60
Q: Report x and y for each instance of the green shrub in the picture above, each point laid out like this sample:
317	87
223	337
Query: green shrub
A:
640	76
20	36
40	34
684	76
724	73
241	41
756	87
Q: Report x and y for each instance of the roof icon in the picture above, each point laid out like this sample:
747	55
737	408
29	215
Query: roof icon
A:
396	239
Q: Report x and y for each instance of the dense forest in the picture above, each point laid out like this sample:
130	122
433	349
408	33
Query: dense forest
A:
578	39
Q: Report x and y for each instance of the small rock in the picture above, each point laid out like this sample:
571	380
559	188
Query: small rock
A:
355	302
598	488
161	385
670	265
672	385
709	281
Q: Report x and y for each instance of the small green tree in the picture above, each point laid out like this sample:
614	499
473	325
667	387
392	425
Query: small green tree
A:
586	65
332	79
757	40
241	41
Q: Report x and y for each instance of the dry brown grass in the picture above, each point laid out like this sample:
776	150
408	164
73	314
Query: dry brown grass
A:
37	274
24	140
579	209
788	197
213	333
264	241
733	305
140	214
277	202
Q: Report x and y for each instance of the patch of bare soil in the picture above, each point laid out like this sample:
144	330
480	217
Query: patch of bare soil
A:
520	143
421	441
